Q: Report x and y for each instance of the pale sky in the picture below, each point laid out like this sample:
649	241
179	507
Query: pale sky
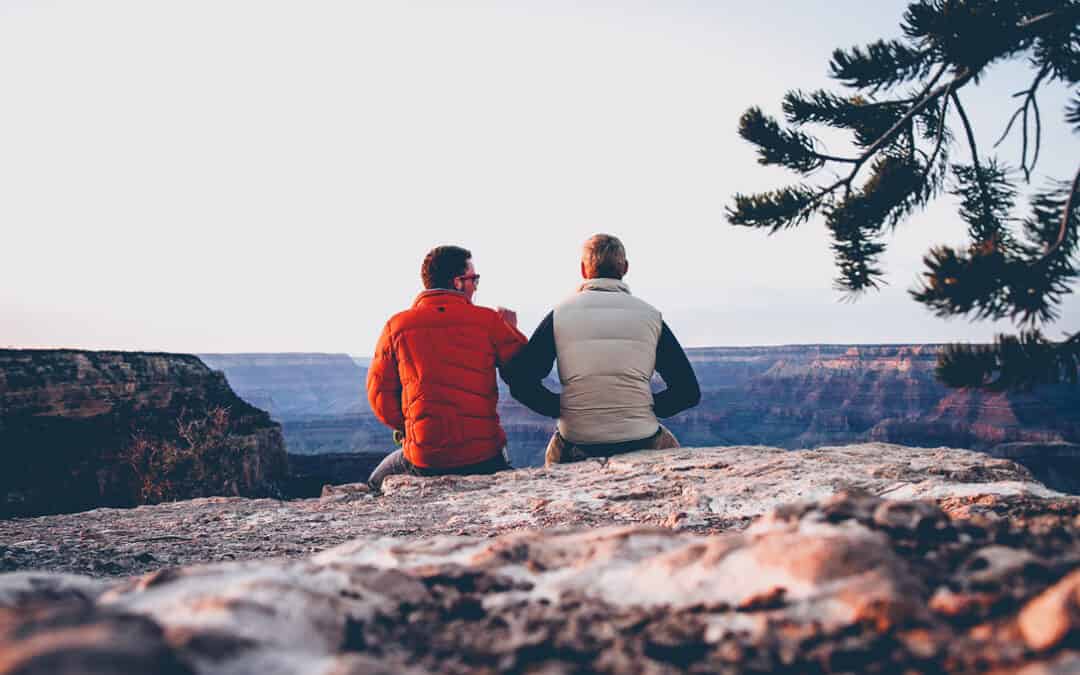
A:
255	175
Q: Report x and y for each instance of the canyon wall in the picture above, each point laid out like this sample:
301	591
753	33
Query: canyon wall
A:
804	396
80	429
296	386
797	396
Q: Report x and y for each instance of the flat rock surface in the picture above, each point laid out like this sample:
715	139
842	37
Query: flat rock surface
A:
699	490
849	583
865	558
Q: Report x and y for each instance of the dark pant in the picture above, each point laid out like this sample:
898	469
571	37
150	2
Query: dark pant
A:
562	451
396	464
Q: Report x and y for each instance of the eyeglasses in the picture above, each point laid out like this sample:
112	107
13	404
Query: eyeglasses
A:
475	278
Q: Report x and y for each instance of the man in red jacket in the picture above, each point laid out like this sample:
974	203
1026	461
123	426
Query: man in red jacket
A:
433	375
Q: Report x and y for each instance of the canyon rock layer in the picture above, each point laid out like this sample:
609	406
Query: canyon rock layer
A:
796	396
80	429
864	558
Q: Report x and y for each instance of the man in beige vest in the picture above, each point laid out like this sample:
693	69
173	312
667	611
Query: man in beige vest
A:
607	344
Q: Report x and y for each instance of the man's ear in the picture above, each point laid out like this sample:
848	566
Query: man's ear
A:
459	285
583	274
625	267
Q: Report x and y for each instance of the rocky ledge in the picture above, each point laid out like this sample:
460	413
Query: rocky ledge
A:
80	429
868	558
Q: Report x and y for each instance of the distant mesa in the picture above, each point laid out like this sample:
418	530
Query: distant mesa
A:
292	386
797	396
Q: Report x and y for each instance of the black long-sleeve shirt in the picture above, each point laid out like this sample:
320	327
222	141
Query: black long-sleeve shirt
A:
526	372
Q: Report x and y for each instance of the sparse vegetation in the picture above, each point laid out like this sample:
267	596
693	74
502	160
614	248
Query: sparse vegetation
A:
201	460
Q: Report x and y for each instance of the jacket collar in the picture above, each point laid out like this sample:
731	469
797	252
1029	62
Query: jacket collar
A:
607	285
440	296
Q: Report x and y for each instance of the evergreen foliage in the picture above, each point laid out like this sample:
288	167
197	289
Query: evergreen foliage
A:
903	110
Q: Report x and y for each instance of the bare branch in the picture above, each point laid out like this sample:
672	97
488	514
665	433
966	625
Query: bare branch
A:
1008	127
1030	102
1063	231
940	134
1045	16
1038	137
831	158
974	155
967	128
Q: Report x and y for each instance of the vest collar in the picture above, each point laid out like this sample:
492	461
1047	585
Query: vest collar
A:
440	296
607	285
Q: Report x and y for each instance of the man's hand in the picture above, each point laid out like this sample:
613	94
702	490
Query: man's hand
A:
508	315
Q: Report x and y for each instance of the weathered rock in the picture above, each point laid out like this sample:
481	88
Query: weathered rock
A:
80	429
842	584
61	638
1055	614
346	491
19	588
702	490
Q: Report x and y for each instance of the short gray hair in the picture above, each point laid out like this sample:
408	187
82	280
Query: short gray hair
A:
604	256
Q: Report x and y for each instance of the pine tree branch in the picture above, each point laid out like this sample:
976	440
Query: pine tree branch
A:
1064	13
1029	102
886	138
932	82
1065	216
974	156
1011	362
928	95
967	129
831	158
949	43
911	140
1038	138
940	134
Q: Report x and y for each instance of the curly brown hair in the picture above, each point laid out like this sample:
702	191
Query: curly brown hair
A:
442	264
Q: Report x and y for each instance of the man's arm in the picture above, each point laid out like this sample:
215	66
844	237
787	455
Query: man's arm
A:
384	384
506	338
682	391
526	372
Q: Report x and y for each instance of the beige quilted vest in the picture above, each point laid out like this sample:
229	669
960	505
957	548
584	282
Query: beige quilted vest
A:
605	342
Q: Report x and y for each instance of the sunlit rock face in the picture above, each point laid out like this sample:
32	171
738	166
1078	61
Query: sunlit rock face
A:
807	395
80	429
719	560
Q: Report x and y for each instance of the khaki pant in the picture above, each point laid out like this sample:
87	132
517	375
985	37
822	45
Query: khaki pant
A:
562	451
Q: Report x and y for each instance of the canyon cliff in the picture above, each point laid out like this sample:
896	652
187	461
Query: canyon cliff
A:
803	396
796	396
80	429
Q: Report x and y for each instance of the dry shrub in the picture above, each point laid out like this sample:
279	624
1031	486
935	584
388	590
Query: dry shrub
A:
200	459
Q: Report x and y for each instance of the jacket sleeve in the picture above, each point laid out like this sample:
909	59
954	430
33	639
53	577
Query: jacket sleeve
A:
526	373
384	384
683	391
507	340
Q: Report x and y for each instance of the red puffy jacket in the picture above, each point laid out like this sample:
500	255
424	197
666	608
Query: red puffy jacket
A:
433	376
